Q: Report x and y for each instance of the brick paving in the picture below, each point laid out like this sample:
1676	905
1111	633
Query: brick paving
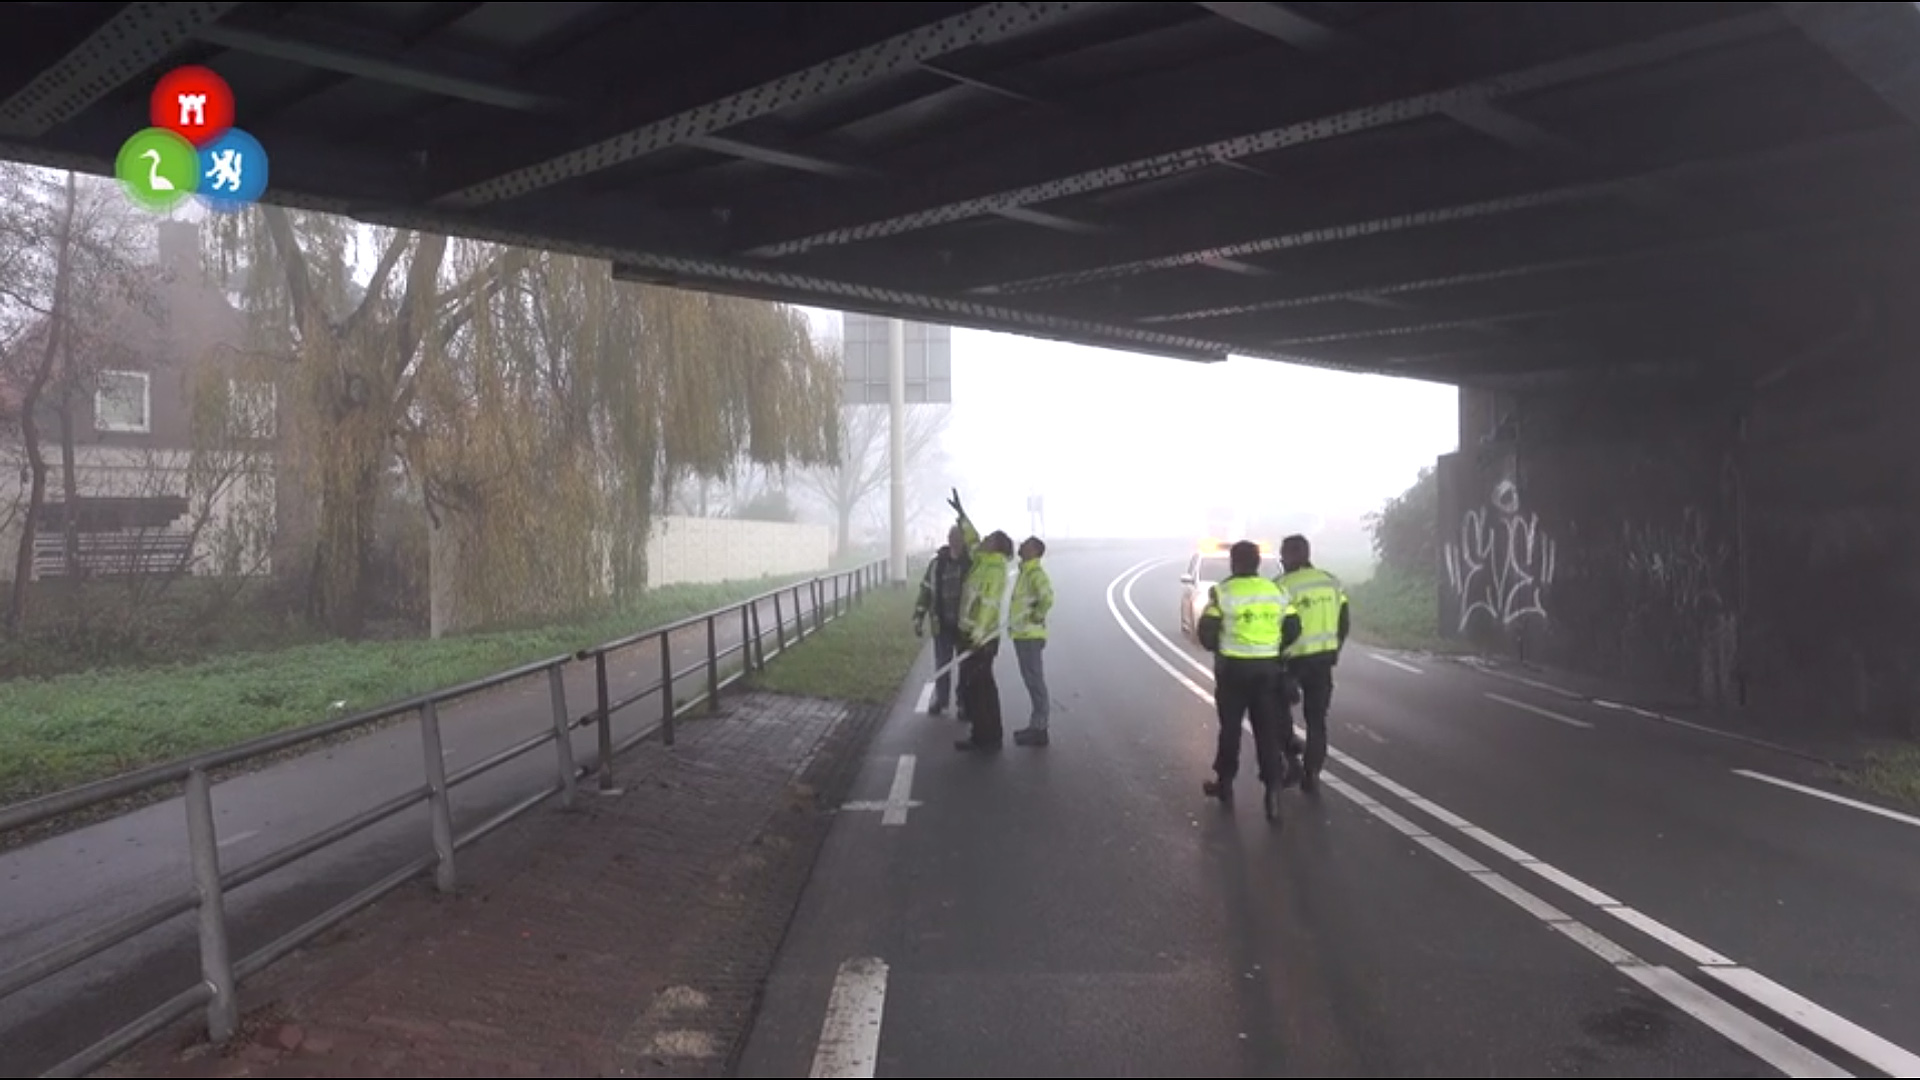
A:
628	937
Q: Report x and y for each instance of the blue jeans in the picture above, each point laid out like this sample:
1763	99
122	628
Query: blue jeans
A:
1034	673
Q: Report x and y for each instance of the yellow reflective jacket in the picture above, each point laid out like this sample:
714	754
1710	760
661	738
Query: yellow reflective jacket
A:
1032	600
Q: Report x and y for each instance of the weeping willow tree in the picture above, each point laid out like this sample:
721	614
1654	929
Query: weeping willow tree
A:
549	428
538	406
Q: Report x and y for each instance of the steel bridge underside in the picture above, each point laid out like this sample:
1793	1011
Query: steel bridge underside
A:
1490	194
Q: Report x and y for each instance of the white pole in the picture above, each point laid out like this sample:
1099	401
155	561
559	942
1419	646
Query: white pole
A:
897	442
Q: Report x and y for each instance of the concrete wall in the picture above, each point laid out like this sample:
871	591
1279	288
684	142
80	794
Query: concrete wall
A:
1752	541
690	550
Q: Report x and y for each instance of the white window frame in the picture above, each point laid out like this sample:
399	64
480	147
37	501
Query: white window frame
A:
238	391
144	425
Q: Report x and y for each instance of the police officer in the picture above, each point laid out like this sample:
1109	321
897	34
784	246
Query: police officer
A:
1245	625
1320	604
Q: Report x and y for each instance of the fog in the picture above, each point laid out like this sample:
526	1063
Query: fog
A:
1123	445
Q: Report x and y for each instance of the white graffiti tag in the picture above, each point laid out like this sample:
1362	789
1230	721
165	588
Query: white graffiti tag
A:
1500	567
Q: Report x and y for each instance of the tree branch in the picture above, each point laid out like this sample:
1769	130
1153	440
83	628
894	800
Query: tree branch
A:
377	287
307	314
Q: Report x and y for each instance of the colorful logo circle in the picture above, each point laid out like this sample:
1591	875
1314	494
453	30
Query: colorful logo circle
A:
158	168
233	172
193	103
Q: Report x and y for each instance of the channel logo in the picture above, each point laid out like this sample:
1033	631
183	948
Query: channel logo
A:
192	149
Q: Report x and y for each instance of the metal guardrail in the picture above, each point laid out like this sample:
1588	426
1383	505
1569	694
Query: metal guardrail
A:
831	596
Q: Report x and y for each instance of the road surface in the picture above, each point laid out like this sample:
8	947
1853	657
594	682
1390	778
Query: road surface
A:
1494	881
58	889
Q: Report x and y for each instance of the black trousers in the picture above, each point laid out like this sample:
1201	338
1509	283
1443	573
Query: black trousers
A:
1315	676
1248	690
980	695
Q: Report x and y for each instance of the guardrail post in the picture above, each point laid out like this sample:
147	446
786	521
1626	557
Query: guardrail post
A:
439	802
562	733
604	720
837	609
819	610
779	625
746	639
713	667
759	653
216	965
666	689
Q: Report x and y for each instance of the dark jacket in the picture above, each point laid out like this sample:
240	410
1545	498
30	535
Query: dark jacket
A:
940	590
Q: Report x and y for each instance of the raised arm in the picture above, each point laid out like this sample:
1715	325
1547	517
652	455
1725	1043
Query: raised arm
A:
968	534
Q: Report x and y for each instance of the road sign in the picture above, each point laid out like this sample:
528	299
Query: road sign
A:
929	361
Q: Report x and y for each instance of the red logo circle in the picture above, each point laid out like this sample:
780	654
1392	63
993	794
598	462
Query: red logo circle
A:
194	103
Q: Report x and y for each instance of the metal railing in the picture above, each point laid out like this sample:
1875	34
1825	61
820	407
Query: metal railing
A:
829	595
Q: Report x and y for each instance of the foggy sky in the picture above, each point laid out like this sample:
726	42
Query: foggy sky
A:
1120	444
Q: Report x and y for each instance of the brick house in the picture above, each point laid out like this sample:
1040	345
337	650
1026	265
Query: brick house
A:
148	503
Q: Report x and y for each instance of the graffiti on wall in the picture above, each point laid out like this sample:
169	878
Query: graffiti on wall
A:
1680	565
1502	563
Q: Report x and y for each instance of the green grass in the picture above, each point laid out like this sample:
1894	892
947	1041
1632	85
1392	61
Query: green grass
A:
1397	610
72	729
1893	774
862	656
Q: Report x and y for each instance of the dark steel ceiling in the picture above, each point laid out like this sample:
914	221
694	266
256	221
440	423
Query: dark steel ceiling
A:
1481	193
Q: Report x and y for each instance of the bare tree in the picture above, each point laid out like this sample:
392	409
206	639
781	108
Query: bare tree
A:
863	471
88	240
41	372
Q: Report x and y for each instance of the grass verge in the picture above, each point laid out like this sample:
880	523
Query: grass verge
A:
1397	610
862	656
59	732
1892	774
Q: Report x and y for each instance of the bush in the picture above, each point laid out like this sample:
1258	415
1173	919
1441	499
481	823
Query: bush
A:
1398	610
1406	531
1399	606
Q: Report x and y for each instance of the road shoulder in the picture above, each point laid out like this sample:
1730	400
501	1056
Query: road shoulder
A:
628	937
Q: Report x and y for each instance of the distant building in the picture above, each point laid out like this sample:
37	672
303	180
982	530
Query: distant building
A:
147	505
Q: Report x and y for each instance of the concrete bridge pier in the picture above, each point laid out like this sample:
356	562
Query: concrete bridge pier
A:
1746	536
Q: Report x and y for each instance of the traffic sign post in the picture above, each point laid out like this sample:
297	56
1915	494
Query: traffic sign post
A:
897	446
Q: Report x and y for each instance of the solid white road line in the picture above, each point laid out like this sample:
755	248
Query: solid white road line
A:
1743	1029
1391	662
850	1037
1538	711
925	701
1837	1030
901	796
1891	815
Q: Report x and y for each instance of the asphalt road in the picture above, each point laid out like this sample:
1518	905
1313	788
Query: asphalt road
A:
58	889
1494	881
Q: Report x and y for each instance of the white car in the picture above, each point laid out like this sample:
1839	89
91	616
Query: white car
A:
1207	567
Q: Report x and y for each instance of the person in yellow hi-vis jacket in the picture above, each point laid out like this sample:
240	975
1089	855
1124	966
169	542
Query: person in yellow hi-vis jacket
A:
1246	626
980	601
1027	626
1320	601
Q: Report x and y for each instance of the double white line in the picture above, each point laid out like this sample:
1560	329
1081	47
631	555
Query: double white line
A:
1787	1055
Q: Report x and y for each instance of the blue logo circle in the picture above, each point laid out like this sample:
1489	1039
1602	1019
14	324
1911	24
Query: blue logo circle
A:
233	172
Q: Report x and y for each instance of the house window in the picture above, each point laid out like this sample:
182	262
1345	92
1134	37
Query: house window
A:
123	402
251	408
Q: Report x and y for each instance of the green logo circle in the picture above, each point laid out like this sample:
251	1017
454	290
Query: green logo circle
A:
158	168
